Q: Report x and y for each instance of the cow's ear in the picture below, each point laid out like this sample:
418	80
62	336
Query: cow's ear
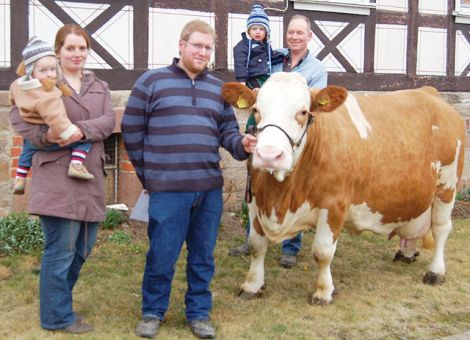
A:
327	99
238	95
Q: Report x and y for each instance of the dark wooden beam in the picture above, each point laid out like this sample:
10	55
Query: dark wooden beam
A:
369	42
451	35
392	18
141	35
19	31
331	46
221	27
412	38
381	81
96	46
433	21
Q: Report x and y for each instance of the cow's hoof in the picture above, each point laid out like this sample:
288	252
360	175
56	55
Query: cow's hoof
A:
250	296
433	279
399	256
317	301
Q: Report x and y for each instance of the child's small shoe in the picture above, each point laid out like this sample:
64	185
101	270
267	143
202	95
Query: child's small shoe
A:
79	171
19	186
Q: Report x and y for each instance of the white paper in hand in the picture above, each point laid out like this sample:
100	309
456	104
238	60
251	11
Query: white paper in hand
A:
141	209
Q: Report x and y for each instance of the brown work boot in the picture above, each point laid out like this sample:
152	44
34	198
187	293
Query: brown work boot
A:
19	186
78	327
79	171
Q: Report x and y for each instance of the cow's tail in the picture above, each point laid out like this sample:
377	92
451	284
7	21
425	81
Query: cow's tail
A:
428	240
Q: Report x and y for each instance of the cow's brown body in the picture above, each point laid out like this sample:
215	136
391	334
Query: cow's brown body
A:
388	163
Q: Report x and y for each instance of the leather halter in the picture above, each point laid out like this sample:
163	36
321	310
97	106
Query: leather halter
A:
253	130
293	144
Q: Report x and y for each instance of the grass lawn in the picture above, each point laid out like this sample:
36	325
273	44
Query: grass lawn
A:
378	299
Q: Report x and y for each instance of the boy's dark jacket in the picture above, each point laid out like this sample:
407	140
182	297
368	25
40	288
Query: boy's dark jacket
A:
259	58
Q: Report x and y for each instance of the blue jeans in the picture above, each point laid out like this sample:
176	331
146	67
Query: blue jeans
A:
289	247
29	149
67	245
176	217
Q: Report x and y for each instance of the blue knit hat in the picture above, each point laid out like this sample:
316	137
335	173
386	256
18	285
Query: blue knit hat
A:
258	17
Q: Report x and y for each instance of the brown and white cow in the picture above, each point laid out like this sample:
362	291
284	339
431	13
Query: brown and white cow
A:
388	163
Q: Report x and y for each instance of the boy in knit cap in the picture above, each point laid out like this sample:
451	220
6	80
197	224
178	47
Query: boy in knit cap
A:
39	101
253	54
254	58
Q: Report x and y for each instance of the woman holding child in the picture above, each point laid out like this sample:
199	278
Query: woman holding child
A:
70	209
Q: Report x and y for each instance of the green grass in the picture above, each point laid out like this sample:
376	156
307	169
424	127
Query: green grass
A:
378	299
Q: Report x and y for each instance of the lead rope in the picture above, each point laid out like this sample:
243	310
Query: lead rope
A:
248	192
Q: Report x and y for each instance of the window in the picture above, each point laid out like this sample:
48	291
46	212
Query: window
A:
462	11
360	7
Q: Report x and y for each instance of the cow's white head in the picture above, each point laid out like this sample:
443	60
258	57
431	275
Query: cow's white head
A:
284	109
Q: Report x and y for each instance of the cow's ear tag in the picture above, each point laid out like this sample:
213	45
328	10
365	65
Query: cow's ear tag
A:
323	101
242	103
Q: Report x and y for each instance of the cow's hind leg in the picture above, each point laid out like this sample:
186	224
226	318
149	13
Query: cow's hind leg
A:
254	281
441	227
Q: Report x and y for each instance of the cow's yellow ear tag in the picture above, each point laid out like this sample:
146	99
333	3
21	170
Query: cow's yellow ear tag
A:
242	103
323	101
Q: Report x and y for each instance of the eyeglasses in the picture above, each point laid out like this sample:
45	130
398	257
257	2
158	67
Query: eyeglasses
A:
201	47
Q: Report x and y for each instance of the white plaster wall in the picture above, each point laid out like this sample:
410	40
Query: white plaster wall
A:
432	49
390	49
393	5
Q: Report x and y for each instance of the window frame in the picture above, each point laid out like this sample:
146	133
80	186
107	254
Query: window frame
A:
462	12
359	7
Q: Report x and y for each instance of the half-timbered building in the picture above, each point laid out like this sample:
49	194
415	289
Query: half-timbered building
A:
366	45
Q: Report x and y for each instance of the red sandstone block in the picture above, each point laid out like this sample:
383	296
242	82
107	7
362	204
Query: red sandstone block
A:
124	156
127	166
14	162
15	151
119	111
17	141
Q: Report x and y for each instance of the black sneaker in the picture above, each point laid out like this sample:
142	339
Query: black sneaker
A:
241	250
147	327
202	329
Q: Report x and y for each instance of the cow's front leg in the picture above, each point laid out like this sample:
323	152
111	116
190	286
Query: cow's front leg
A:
254	281
324	247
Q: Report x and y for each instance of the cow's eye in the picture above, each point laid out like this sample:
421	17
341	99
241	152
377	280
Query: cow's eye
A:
304	112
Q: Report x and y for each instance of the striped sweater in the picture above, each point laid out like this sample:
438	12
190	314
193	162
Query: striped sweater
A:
173	127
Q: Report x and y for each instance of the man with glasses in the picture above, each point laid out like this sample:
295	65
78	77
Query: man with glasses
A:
173	125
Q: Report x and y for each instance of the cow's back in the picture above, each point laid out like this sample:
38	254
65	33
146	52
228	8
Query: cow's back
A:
393	168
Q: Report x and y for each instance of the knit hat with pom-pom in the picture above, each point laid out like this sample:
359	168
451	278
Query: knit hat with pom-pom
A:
35	50
258	17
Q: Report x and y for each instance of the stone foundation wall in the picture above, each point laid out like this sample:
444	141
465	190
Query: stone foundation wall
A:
129	186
